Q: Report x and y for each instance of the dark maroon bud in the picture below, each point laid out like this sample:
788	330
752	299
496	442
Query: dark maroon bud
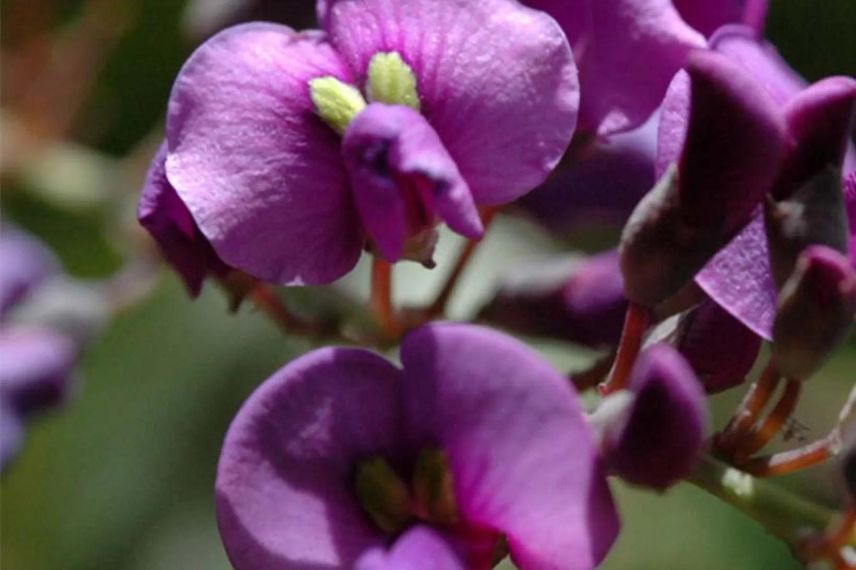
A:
734	145
814	215
656	439
576	299
720	349
816	308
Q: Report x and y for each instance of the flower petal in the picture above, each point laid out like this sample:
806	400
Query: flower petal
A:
523	457
25	263
663	434
417	549
169	222
707	16
401	175
284	477
496	80
740	280
259	172
636	47
35	368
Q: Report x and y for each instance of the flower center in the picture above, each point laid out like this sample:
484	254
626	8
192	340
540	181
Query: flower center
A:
390	80
392	505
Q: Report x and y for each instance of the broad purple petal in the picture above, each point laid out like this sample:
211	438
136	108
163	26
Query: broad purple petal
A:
35	368
663	434
522	454
169	222
743	45
260	173
739	278
24	263
402	177
419	548
707	16
496	80
284	497
635	48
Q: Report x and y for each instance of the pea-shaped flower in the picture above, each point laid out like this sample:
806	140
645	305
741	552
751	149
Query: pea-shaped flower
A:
343	460
293	151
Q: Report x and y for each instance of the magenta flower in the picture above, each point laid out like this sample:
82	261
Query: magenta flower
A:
343	460
817	118
292	151
627	52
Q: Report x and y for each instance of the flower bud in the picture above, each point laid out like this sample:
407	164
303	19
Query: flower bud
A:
720	349
816	308
820	121
661	434
734	144
576	299
814	215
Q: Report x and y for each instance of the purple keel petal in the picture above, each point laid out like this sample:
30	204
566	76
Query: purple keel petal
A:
24	263
403	177
259	171
496	80
167	219
522	454
850	201
663	434
419	548
284	497
636	46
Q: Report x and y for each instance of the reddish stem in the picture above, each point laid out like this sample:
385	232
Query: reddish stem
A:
438	307
748	410
774	422
790	461
381	298
635	324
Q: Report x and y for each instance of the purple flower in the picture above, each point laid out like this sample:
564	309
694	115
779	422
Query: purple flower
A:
343	460
627	52
739	277
581	300
169	222
25	264
657	439
35	372
36	361
293	150
734	144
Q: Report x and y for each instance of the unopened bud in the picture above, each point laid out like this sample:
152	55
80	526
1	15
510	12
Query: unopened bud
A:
816	308
734	145
814	215
719	348
820	122
659	439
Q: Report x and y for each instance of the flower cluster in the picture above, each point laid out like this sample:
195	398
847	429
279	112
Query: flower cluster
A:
290	153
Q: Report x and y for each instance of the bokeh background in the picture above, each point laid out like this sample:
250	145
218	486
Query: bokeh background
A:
121	478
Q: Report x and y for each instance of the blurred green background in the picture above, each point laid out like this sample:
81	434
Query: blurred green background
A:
122	478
